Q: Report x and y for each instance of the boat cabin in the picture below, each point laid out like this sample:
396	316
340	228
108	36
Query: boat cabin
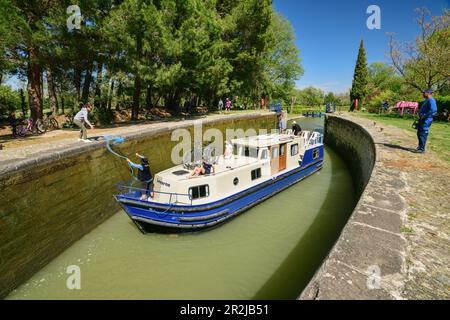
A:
254	160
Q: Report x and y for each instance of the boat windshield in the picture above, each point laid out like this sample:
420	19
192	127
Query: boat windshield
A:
245	151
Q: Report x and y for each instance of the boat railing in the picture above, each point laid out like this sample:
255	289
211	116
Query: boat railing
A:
315	138
136	193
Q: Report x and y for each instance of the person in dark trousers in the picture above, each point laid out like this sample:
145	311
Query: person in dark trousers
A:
13	124
144	176
385	106
426	114
296	129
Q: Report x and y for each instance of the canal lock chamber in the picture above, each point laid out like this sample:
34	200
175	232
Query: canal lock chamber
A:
68	217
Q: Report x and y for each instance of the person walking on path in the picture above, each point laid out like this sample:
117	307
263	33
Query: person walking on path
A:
426	114
228	104
13	124
220	106
80	119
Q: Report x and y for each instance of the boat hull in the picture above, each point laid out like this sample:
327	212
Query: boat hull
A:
151	218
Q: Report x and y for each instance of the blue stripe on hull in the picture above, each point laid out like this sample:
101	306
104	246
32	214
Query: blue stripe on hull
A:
149	219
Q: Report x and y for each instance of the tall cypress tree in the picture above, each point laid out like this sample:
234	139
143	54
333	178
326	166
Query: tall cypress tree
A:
361	76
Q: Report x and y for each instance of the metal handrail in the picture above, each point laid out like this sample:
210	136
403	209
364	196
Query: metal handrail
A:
170	194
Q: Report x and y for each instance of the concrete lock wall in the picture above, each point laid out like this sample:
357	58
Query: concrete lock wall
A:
369	254
355	145
48	203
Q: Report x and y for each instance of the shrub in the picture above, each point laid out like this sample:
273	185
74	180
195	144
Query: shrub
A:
9	100
374	105
443	103
102	116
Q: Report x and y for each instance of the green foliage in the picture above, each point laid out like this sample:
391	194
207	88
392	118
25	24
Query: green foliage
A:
310	96
374	105
443	102
385	85
9	100
102	116
131	53
425	63
361	75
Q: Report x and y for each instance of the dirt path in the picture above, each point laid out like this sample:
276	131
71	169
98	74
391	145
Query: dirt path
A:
426	226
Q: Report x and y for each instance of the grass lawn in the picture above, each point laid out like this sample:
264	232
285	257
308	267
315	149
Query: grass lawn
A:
438	139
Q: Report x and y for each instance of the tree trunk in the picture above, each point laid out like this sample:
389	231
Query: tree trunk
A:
98	85
34	85
87	83
110	94
62	104
148	98
137	82
77	82
136	97
52	92
23	103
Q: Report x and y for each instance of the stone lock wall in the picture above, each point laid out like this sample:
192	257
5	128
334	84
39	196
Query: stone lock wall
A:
355	145
367	260
47	204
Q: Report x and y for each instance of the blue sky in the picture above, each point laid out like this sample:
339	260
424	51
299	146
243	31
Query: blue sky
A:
329	31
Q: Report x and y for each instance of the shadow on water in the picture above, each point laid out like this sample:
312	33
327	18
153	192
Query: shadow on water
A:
306	256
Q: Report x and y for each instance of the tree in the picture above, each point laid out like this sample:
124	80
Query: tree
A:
360	78
425	63
282	62
310	96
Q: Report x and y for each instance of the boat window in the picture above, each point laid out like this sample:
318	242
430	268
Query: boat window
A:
264	154
198	192
256	174
282	149
274	152
251	152
294	149
235	149
180	172
235	181
316	153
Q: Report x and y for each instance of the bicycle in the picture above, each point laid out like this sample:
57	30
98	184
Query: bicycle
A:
48	123
24	128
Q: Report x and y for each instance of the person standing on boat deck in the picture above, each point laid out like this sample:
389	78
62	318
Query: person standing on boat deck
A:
282	122
228	154
144	176
206	168
80	119
426	114
296	129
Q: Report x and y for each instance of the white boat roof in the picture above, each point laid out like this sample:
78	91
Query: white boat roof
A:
265	140
179	173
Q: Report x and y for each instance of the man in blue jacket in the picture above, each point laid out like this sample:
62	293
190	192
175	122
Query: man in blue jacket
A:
426	113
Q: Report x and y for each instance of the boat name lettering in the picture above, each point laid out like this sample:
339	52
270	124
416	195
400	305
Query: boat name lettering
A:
163	183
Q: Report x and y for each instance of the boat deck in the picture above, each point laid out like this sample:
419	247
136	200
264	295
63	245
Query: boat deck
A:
179	173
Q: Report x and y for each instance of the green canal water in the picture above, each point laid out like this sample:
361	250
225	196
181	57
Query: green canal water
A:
269	252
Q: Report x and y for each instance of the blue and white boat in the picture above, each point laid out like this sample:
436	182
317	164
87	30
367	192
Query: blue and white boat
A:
257	168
